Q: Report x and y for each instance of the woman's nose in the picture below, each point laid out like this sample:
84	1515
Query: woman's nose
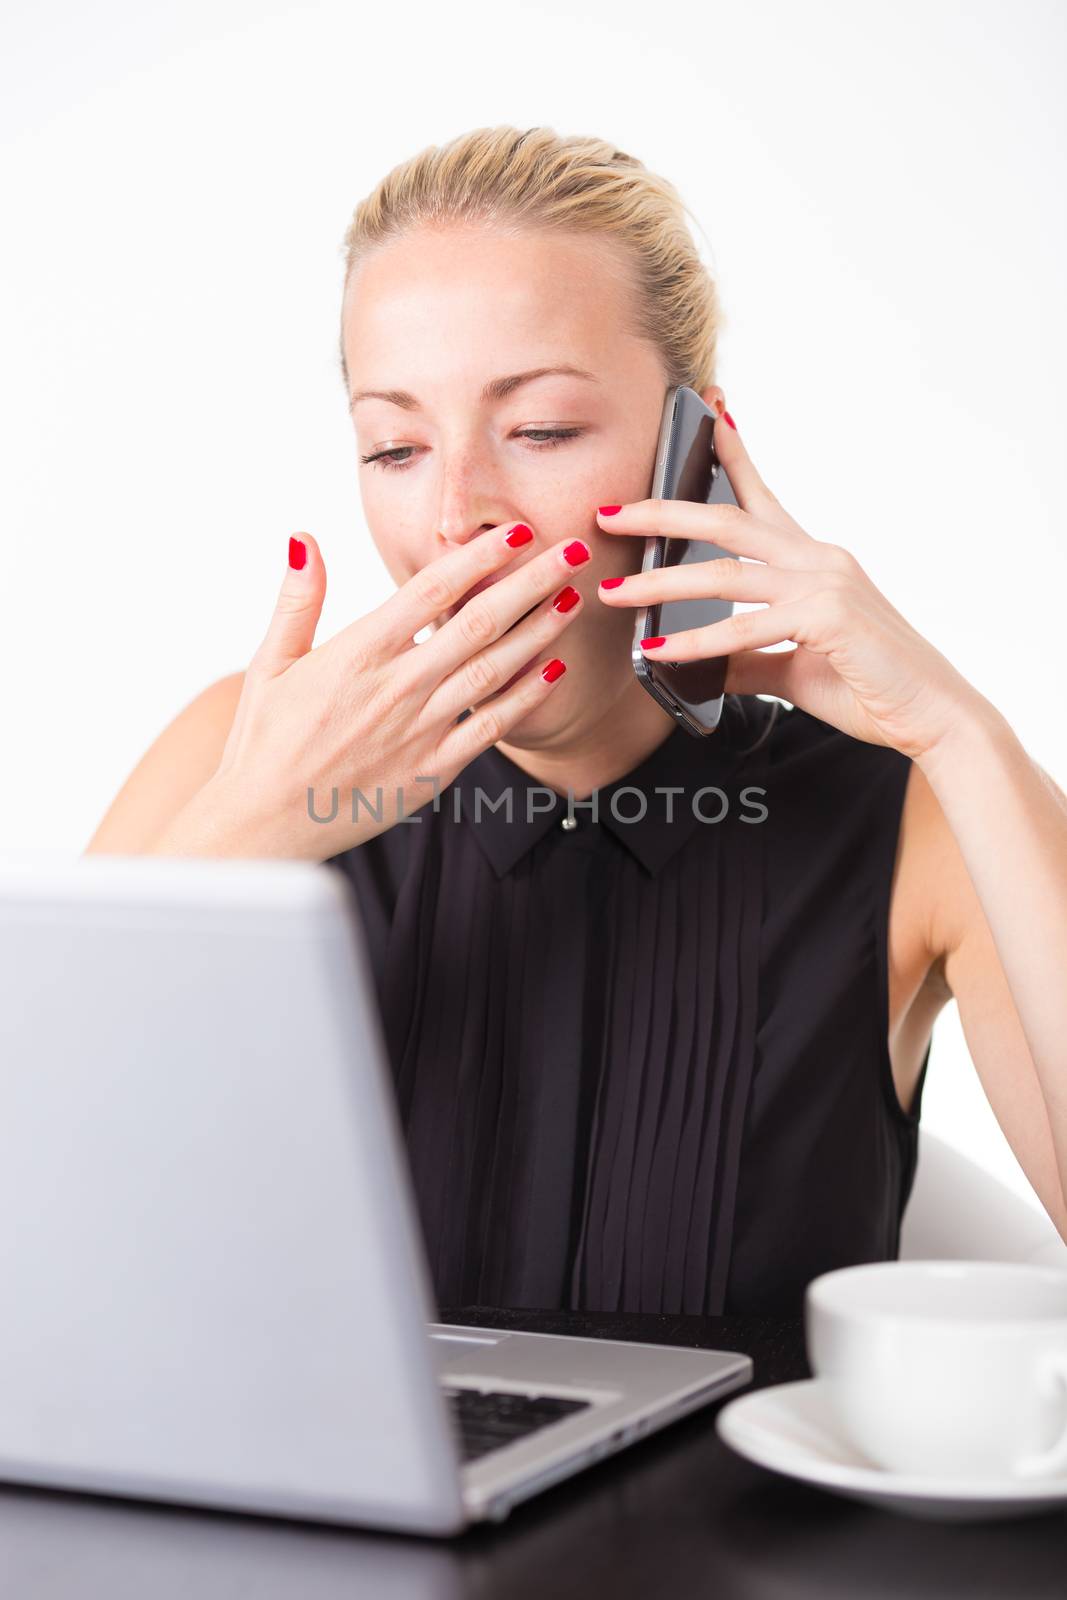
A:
471	497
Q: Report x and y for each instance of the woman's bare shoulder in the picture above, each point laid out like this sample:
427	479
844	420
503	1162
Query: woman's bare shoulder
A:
178	763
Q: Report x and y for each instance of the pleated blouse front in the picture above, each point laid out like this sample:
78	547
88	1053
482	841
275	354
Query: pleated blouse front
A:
640	1043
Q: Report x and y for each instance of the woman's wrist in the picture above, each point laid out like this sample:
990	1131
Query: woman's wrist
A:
216	823
978	729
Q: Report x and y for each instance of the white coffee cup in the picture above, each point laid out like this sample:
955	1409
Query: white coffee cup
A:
948	1369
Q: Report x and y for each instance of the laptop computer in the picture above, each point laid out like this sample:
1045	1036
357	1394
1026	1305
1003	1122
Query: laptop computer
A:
212	1276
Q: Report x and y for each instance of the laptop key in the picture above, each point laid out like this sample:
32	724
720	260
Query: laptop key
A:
489	1420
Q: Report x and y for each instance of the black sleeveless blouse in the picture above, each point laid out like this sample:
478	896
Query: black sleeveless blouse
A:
641	1055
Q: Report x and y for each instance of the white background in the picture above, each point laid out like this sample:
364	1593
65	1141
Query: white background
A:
880	193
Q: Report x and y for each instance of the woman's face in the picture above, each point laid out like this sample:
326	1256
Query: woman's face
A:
441	313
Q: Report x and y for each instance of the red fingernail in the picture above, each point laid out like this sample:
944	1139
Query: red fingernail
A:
575	553
652	644
520	534
608	511
566	600
554	670
730	420
610	583
298	553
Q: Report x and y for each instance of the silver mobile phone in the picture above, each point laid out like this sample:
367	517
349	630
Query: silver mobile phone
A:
687	468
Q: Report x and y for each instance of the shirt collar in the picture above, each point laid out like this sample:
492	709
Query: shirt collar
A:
681	762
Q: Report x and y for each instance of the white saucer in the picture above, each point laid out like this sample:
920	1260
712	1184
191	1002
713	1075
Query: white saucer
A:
789	1428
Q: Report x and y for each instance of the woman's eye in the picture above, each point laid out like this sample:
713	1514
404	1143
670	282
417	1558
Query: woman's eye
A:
540	439
547	437
384	458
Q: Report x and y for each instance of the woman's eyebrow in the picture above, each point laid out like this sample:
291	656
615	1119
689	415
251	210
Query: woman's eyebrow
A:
495	389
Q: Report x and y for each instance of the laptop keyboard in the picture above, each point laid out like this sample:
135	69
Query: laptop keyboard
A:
486	1421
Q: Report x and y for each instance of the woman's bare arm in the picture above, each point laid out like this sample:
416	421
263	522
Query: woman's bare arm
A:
170	773
1000	930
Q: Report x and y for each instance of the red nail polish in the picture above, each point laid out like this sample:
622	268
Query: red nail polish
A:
608	511
730	420
610	583
519	535
652	644
554	670
298	554
575	553
567	599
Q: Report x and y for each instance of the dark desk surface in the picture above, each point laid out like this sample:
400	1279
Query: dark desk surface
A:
676	1515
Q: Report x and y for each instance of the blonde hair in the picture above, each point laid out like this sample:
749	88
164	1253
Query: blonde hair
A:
513	179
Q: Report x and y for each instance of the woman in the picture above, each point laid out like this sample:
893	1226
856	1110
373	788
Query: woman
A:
667	1055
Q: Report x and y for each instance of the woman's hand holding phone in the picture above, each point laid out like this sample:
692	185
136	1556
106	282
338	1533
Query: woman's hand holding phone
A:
374	712
858	664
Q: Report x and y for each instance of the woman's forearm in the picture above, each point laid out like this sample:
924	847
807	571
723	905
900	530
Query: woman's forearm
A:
212	826
1010	822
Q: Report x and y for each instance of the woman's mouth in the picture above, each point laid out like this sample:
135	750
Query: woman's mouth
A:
525	614
477	588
